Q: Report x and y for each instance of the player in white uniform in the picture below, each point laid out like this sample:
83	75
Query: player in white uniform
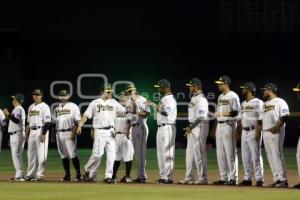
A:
297	90
66	117
37	134
196	134
166	132
248	124
227	112
2	124
16	129
103	111
275	114
124	146
140	131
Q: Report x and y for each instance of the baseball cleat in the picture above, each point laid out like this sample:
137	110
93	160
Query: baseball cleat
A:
28	178
165	181
86	176
274	183
186	182
297	186
67	177
219	182
109	181
201	182
282	184
139	180
245	183
259	184
126	179
230	182
78	178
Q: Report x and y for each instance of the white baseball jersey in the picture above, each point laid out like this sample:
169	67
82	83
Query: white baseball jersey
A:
104	112
168	105
121	124
198	108
19	113
251	111
141	106
227	103
38	114
273	110
65	116
2	119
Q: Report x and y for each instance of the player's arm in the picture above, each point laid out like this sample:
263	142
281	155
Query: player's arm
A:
47	124
284	116
80	124
88	114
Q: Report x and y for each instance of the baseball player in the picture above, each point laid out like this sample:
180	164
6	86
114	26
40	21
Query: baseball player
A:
166	131
138	106
37	135
251	110
297	90
66	117
2	125
103	111
274	116
227	111
196	134
16	130
124	147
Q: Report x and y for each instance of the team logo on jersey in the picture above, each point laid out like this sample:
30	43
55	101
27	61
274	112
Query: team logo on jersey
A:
284	111
101	107
248	108
63	112
33	113
269	107
223	102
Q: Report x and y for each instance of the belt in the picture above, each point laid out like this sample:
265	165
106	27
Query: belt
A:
226	121
134	125
164	125
249	128
64	130
119	133
105	128
35	127
13	133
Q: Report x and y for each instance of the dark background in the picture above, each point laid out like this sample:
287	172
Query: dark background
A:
248	40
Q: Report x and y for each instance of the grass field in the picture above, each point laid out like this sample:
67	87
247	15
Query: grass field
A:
53	188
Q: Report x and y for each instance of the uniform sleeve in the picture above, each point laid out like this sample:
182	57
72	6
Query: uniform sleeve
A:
28	117
120	110
54	116
259	110
144	105
202	108
283	109
77	114
47	114
169	105
235	104
89	112
2	119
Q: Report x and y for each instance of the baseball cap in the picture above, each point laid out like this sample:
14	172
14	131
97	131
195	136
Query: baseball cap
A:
130	87
19	97
108	88
270	86
194	82
223	80
123	93
297	88
63	93
163	83
249	85
37	92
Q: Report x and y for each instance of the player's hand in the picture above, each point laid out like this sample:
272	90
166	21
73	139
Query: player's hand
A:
6	112
188	131
274	130
78	130
218	114
42	138
92	134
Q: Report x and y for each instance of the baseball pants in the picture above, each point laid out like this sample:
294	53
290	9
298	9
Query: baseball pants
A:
196	152
251	156
165	144
66	146
17	141
37	154
226	151
124	148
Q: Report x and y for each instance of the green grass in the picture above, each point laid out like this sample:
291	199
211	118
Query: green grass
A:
61	191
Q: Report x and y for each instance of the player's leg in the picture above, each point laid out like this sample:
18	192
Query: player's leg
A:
118	159
110	147
267	139
127	155
169	152
189	161
144	139
282	157
221	156
32	154
246	159
159	151
62	149
137	150
16	145
42	157
204	129
298	162
72	154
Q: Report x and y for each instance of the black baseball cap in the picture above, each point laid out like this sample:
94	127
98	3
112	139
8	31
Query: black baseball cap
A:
63	93
223	80
270	86
250	86
38	92
163	83
194	82
19	97
130	87
297	88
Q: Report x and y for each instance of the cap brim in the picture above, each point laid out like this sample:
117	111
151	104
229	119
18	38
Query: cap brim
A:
263	88
65	96
131	89
157	86
108	90
34	93
13	97
189	85
243	87
219	82
296	89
